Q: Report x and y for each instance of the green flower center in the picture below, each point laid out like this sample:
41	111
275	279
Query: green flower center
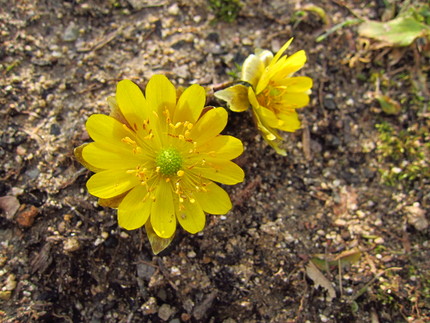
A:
168	161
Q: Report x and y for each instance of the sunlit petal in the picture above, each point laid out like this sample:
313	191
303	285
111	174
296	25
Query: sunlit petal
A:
103	128
252	69
222	171
214	200
190	104
132	103
116	158
225	147
210	125
191	217
134	210
110	183
236	97
163	218
161	94
296	84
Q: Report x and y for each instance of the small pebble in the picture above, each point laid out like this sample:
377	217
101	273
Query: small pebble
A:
10	283
26	218
71	244
71	33
5	295
173	10
379	240
165	312
175	271
191	254
150	306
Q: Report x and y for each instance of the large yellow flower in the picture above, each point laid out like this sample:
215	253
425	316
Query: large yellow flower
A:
272	91
156	158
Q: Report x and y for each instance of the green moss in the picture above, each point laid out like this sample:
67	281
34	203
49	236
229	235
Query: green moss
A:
225	10
403	154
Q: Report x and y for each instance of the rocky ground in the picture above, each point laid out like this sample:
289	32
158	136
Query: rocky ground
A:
337	231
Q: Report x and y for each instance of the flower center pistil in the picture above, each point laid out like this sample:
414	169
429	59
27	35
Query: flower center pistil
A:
168	161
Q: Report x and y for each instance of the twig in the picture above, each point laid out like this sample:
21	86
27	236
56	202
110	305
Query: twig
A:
339	264
166	274
337	27
101	43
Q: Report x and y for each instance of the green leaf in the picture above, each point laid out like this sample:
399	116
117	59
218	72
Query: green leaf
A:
388	105
401	31
344	259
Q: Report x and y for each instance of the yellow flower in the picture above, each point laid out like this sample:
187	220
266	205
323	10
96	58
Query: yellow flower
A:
156	158
272	91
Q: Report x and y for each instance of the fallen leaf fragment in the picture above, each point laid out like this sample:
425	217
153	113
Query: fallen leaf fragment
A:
320	280
401	31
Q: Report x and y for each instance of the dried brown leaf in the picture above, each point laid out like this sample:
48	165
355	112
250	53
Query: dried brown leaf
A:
320	280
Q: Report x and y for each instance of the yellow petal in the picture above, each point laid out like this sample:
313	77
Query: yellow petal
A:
163	218
157	244
294	101
236	97
215	200
265	56
110	157
190	104
132	103
281	51
191	218
275	145
115	112
270	135
133	212
252	69
78	154
112	202
110	183
222	171
103	128
290	122
223	147
161	94
296	84
290	65
209	125
266	116
284	68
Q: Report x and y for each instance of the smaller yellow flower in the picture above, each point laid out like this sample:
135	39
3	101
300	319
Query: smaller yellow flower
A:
157	156
272	91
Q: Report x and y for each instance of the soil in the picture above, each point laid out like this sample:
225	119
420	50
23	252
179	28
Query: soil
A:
63	258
